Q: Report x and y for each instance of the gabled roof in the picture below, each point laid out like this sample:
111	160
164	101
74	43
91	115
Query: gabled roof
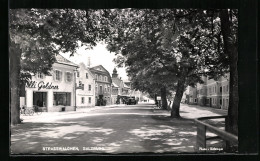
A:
99	68
60	59
86	68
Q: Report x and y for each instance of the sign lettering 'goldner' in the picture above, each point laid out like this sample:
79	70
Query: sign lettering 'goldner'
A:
41	85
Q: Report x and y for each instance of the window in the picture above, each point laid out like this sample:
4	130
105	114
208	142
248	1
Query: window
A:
207	101
86	75
108	89
227	88
68	77
100	77
58	75
89	100
105	88
100	89
195	100
210	90
220	101
62	98
105	78
40	75
89	87
82	100
220	89
77	73
96	88
96	76
227	102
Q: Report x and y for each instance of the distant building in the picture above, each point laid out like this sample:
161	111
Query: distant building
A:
132	92
102	85
85	87
119	89
212	93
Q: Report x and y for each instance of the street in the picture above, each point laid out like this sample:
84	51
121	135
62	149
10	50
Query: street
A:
114	129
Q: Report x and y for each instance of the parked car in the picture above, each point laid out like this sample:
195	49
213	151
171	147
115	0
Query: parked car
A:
131	101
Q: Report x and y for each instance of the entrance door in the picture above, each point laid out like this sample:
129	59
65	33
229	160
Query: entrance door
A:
40	99
210	102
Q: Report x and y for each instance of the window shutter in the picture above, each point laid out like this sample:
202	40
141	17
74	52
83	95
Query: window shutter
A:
53	75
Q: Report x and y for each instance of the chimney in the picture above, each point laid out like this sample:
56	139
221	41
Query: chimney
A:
89	63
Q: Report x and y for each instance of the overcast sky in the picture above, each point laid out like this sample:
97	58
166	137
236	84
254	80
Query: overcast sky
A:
99	55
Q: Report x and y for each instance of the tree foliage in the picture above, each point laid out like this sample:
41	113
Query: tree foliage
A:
36	35
186	43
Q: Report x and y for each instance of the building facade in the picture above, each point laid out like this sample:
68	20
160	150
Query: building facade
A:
85	87
52	93
212	93
102	85
119	89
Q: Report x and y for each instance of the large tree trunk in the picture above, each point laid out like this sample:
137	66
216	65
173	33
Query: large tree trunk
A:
175	112
231	50
164	99
15	55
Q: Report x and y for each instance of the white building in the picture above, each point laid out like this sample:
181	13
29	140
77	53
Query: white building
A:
85	91
53	93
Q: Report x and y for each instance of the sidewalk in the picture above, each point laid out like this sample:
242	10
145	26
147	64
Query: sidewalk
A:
49	116
196	111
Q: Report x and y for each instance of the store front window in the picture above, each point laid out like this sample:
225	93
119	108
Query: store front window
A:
39	99
61	98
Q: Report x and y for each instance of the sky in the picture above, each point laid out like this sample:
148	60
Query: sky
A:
99	55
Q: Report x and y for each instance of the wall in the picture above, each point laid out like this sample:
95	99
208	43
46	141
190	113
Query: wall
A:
63	86
212	93
86	93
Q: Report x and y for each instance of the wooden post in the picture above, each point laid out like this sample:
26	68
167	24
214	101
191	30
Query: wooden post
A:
201	138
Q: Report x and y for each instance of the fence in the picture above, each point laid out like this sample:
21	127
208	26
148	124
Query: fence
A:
202	128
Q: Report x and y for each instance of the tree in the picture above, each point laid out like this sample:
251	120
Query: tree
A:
229	32
36	35
188	43
160	43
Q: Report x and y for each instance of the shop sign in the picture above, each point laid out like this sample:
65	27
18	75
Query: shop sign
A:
41	85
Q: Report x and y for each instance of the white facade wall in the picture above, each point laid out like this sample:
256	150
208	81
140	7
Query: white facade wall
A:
62	85
86	97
